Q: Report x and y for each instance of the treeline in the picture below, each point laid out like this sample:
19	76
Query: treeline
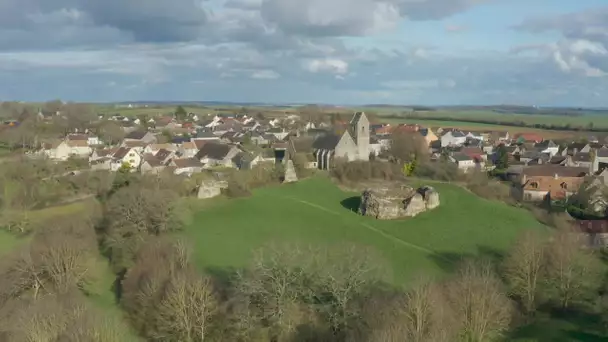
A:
513	123
32	130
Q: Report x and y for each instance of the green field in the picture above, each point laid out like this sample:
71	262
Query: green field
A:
317	212
599	121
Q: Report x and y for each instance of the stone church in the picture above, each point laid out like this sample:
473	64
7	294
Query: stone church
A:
353	144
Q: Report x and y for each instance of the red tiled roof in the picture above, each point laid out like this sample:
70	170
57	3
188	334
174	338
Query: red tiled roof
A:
591	226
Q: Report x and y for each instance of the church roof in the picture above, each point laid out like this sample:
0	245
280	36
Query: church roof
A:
356	118
326	142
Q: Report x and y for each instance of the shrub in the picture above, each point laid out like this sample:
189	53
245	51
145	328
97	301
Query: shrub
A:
237	188
441	171
364	170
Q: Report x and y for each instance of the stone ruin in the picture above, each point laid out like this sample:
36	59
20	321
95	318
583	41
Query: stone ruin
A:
394	203
290	173
211	188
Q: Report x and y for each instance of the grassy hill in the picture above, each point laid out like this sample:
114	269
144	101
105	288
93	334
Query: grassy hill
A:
315	211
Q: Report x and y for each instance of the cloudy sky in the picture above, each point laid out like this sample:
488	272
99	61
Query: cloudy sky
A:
544	52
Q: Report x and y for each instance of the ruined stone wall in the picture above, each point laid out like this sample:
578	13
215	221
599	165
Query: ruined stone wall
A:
386	204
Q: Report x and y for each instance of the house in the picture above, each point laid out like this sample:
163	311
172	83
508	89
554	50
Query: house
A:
151	164
302	146
474	153
78	148
206	135
528	137
594	233
260	139
463	161
602	158
547	146
279	133
216	154
64	149
246	160
153	148
475	136
186	166
583	159
428	135
164	155
126	156
453	138
187	150
575	148
143	136
551	182
56	150
353	144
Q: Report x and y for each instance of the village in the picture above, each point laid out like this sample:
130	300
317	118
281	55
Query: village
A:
544	168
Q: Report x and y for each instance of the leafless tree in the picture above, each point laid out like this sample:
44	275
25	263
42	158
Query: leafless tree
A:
408	146
273	288
524	269
110	132
344	275
479	302
572	271
165	297
185	309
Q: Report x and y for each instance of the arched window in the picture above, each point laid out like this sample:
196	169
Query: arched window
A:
564	186
534	185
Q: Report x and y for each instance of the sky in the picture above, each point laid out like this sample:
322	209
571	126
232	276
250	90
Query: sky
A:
424	52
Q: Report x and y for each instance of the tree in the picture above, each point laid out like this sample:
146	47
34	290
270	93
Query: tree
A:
479	303
524	269
110	132
573	273
185	309
77	117
502	158
274	287
407	147
180	113
423	315
135	212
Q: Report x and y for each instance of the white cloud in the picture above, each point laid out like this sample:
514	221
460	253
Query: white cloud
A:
265	74
329	65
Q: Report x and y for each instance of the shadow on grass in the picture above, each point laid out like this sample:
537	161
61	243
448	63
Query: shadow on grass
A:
561	327
351	203
450	261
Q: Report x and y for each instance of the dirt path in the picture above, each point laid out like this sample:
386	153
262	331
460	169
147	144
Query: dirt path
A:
373	229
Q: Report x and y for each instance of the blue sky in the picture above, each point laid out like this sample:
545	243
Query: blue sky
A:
427	52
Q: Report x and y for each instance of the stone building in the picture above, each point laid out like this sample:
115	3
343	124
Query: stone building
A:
353	144
551	182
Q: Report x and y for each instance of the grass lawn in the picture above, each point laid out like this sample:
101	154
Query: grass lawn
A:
315	211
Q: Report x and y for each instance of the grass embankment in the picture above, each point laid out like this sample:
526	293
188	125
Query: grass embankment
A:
316	212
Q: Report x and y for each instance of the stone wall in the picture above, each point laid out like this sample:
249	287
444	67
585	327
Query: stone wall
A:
211	188
386	204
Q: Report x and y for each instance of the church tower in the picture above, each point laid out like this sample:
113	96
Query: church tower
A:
360	129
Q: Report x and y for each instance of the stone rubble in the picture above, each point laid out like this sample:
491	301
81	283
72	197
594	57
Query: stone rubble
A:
387	204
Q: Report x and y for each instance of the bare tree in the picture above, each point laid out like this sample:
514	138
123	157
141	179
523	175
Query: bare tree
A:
479	302
273	288
344	275
185	309
408	146
165	297
110	132
573	272
524	269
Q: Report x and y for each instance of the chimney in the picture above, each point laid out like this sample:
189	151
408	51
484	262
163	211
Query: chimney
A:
556	176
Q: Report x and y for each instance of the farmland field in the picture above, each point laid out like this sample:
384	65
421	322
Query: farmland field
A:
316	212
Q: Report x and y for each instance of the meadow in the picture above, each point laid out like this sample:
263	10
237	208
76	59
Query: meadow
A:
316	212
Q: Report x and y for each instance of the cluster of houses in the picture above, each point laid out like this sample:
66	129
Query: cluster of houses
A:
544	169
